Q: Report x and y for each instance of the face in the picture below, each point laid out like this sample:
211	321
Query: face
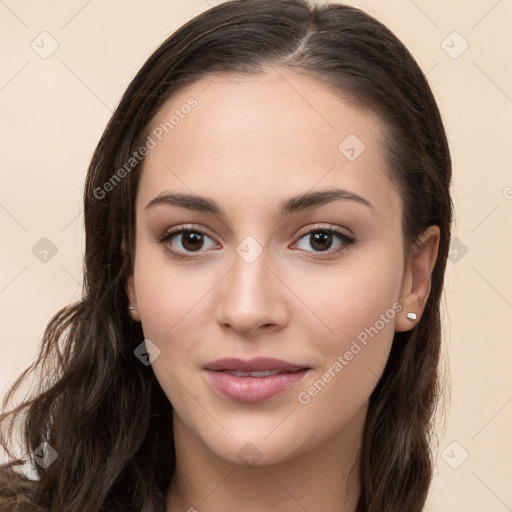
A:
255	270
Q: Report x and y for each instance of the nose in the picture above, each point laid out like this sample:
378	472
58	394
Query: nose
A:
252	297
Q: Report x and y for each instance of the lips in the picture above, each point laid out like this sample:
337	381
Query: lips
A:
252	380
257	364
264	373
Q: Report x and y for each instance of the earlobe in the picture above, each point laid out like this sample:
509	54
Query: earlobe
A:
133	311
417	279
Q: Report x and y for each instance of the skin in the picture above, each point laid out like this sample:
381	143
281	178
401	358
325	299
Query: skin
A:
251	143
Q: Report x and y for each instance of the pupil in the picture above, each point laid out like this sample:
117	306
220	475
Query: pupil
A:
323	239
195	238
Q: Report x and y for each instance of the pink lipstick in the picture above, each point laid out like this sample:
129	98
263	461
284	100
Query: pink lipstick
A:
253	380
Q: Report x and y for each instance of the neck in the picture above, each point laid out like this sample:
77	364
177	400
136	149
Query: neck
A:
324	478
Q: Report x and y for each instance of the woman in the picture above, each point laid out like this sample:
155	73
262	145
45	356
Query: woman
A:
267	221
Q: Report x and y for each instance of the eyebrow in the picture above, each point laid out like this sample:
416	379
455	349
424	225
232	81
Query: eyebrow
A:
299	203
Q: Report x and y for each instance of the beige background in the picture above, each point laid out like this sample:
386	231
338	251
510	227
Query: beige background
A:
54	109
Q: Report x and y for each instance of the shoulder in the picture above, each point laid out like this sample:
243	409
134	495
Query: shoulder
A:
17	503
15	492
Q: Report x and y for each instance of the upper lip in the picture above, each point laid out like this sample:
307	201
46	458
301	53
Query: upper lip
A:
253	365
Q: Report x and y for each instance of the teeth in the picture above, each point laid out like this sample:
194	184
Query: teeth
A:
265	373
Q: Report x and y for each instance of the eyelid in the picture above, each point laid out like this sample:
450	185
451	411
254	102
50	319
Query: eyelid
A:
326	227
186	227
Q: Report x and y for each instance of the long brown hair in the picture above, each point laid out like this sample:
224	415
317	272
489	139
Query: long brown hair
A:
102	411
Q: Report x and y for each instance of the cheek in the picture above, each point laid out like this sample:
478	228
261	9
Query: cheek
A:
357	307
167	294
173	305
170	305
361	305
352	298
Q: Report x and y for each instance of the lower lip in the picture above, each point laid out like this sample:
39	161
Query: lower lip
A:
252	389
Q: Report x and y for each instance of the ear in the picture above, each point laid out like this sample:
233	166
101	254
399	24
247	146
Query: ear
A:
130	289
417	278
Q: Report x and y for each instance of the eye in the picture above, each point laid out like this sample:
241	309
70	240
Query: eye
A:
187	240
322	239
184	242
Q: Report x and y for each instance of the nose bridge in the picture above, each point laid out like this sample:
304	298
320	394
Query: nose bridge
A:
249	296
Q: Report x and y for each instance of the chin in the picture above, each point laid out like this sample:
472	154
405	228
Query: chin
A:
252	448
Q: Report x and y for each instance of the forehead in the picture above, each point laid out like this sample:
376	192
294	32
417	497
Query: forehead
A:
276	133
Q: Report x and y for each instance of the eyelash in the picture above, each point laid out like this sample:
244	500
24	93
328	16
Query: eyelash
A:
345	239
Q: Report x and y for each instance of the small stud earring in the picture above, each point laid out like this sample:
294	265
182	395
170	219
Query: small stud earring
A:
131	308
411	316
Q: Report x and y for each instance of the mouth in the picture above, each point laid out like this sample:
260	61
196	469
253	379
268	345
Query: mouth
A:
253	380
255	365
264	373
